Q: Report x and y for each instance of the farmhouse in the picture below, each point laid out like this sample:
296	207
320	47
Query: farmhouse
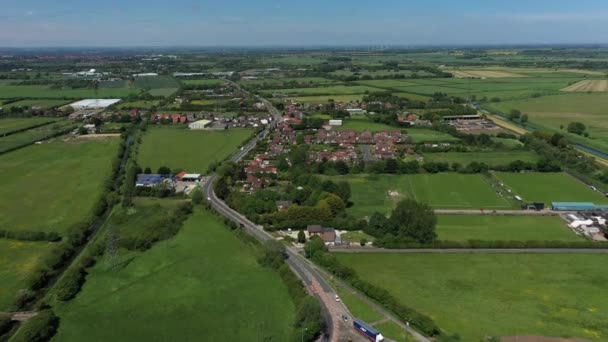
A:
328	235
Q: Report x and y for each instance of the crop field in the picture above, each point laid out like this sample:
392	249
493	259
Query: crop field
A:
550	187
51	186
32	135
18	259
294	60
156	82
480	73
556	295
588	86
284	82
44	104
329	90
490	158
204	282
11	124
553	112
503	228
380	193
192	151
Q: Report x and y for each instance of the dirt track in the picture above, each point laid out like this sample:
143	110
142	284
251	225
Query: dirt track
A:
588	86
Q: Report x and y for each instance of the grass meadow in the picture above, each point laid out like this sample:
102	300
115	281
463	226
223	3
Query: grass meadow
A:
11	124
203	284
18	261
503	228
192	151
51	186
32	135
496	294
550	187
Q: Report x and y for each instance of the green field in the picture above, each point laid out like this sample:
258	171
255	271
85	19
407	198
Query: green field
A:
32	135
44	104
138	104
11	124
40	91
202	284
370	193
490	158
213	81
51	186
18	259
192	151
503	228
326	98
496	294
559	110
550	187
329	90
360	124
421	135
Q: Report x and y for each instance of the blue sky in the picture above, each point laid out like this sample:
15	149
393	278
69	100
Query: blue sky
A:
303	22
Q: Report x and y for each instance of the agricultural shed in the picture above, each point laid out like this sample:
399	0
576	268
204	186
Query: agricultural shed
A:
577	206
200	124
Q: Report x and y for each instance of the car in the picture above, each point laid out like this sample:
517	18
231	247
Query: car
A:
337	298
345	318
208	198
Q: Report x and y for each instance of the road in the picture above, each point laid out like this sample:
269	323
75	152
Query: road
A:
338	329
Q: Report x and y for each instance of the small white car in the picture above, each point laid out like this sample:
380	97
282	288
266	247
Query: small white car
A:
337	298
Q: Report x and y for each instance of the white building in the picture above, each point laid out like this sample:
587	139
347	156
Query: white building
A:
146	74
93	103
352	111
335	122
200	124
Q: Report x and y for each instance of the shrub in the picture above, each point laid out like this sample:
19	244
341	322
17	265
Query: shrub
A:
41	327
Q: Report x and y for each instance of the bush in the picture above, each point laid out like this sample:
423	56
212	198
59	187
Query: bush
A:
71	284
41	327
5	323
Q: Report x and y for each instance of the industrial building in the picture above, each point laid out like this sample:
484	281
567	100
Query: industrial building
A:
577	206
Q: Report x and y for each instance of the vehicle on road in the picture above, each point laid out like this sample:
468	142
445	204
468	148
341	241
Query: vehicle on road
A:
337	298
367	331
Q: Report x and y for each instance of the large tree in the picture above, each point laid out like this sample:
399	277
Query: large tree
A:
414	220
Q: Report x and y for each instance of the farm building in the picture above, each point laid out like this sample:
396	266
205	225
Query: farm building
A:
577	206
328	235
352	111
188	177
200	124
335	122
93	103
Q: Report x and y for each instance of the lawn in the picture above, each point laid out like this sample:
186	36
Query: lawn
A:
503	228
478	295
18	259
202	284
51	186
550	187
12	124
491	158
371	193
192	151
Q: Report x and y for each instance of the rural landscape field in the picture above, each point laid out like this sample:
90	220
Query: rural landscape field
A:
327	172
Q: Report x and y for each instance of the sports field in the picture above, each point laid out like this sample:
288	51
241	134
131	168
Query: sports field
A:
496	294
371	193
51	186
12	124
490	158
203	284
550	187
503	228
192	151
18	259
